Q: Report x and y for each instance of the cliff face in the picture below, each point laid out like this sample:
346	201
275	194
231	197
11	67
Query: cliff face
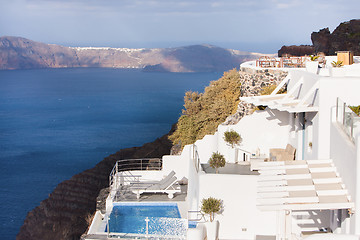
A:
346	37
21	53
65	214
294	50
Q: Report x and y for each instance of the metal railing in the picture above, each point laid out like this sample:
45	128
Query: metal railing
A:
349	121
126	165
282	62
195	216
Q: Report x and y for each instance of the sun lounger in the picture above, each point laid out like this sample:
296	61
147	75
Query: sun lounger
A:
167	185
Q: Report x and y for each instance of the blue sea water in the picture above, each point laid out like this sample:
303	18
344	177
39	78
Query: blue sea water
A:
55	123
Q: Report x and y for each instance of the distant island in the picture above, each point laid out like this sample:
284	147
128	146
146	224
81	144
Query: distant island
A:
22	53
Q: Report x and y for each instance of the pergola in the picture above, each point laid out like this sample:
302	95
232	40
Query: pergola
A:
290	102
300	185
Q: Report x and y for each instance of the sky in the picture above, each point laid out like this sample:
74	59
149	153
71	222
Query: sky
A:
248	25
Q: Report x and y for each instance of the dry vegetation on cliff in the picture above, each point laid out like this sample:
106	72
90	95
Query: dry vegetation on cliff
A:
205	111
220	104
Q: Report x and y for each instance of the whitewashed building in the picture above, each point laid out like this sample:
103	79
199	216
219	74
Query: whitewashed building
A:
318	192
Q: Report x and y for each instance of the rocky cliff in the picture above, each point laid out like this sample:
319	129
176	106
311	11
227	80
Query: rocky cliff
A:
21	53
65	214
346	37
294	50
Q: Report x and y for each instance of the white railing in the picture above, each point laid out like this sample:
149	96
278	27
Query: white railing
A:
195	216
121	171
349	121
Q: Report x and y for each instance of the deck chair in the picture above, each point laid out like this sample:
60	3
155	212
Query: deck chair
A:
167	185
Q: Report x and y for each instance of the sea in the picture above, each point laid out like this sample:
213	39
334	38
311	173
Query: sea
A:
55	123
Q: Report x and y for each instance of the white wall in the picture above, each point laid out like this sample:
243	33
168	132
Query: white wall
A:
207	146
260	130
344	154
357	197
193	180
240	219
308	79
184	166
178	163
330	89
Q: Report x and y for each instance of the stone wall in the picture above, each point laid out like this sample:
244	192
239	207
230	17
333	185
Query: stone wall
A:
252	82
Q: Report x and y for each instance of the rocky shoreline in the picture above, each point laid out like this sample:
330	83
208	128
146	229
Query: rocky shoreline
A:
66	213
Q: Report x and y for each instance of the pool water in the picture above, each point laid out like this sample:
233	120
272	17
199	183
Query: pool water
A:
163	219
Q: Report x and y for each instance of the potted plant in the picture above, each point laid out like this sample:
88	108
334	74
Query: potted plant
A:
232	138
217	161
337	70
355	109
210	206
312	65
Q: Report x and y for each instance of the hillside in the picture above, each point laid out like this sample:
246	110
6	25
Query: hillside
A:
220	104
21	53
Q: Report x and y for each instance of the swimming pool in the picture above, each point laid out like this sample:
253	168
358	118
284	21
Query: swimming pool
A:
147	218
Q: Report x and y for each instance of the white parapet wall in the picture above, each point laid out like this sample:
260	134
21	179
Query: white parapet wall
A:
345	155
177	163
259	132
207	146
97	226
240	218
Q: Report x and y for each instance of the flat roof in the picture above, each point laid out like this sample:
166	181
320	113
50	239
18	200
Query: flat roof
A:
230	168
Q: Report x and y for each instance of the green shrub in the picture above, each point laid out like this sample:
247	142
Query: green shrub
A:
205	111
211	206
216	161
267	90
232	138
313	57
337	63
355	109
